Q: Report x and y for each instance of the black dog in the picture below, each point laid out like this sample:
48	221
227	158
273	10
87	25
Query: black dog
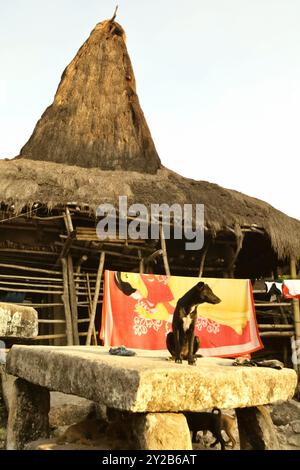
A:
206	422
182	343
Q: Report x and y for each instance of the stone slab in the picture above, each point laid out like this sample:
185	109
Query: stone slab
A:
18	321
148	382
156	431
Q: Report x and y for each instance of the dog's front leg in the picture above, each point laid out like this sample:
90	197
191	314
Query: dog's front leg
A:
178	358
191	357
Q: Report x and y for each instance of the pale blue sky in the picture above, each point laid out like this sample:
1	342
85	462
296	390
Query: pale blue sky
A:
218	80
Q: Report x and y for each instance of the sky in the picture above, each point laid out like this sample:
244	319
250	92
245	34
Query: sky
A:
218	81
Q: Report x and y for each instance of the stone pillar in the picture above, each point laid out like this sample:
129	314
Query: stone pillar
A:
256	429
161	431
28	414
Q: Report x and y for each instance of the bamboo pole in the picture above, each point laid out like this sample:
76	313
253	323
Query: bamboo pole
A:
164	250
31	278
73	300
54	217
82	260
95	300
26	284
39	305
239	244
272	304
27	268
96	251
54	336
31	291
271	334
69	221
295	302
67	246
65	298
28	252
141	263
90	306
41	320
275	327
296	308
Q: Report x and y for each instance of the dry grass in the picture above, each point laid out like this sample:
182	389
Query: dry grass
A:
96	119
24	182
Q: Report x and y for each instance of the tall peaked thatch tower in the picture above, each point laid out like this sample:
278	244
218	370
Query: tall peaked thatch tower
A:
96	119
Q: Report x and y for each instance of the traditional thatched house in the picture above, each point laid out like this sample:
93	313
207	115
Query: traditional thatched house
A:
89	147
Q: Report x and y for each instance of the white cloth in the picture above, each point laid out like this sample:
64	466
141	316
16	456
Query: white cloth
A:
293	286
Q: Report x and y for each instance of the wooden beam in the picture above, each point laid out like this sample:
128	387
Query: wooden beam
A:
31	291
296	308
28	252
30	278
90	306
65	299
164	250
273	334
26	268
68	221
239	244
96	296
203	257
67	246
73	300
275	327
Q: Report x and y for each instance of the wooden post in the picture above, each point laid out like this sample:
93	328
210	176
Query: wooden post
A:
141	265
239	244
73	300
90	306
82	260
203	257
69	223
65	298
296	309
164	250
96	297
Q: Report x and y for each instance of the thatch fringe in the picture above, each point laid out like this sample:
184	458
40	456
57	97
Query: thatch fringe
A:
24	182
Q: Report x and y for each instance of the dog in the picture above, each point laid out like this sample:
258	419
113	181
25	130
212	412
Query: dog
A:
214	422
85	432
182	342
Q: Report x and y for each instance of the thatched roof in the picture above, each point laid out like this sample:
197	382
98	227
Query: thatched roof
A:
96	119
24	182
96	122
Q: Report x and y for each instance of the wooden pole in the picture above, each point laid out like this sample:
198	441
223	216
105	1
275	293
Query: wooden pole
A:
141	264
296	310
28	268
73	300
203	257
95	300
90	306
82	260
65	298
69	223
275	327
164	250
272	334
239	244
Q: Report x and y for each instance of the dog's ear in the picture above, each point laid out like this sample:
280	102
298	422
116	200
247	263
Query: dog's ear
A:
200	285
